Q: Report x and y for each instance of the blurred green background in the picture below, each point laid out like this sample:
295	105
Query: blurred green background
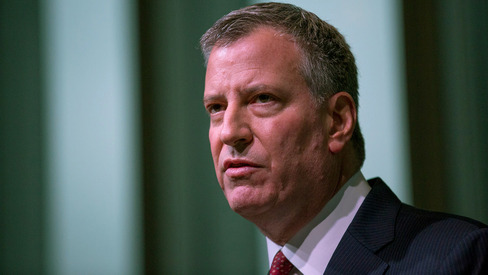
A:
105	166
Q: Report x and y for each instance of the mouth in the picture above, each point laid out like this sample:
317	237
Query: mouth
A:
238	168
238	163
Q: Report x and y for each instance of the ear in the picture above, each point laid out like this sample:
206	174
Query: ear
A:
342	111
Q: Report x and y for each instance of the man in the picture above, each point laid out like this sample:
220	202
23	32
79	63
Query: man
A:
281	92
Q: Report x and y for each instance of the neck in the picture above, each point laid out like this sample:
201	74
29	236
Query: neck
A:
280	229
281	225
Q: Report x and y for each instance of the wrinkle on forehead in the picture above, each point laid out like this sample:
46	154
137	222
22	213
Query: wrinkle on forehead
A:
255	51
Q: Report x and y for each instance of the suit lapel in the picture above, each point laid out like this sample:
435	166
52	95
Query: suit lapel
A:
351	257
372	228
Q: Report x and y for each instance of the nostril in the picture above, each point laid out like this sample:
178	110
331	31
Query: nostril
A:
241	145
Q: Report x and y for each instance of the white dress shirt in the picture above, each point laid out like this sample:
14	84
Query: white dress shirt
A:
311	249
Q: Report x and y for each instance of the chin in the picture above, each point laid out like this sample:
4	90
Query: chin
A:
248	202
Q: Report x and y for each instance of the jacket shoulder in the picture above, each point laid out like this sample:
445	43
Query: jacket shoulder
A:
427	242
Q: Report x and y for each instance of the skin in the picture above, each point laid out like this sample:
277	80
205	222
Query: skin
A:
279	157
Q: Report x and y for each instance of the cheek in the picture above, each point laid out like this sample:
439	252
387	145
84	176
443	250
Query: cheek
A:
215	144
300	150
215	148
299	136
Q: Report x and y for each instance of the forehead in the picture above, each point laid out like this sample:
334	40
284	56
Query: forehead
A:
261	38
234	35
264	49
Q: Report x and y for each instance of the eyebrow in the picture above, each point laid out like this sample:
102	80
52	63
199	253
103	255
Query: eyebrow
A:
257	88
211	98
247	90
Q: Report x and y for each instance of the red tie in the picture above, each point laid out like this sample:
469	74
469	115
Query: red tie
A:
281	265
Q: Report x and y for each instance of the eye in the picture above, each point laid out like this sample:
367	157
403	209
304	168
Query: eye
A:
263	98
215	108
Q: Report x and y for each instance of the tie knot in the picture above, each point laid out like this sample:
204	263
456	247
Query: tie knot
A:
281	265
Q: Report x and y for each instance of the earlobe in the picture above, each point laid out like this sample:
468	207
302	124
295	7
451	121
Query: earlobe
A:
342	110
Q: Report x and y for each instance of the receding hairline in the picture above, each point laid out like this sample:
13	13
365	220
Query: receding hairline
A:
226	41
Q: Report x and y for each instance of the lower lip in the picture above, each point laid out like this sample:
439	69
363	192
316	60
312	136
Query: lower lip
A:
239	172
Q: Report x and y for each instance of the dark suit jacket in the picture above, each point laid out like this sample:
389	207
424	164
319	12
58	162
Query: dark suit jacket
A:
389	237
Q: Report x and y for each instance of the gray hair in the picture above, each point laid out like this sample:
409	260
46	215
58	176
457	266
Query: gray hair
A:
328	65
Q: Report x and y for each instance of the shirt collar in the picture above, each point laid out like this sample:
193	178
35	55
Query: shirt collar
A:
312	247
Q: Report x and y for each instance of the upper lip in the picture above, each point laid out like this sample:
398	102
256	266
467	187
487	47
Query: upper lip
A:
229	163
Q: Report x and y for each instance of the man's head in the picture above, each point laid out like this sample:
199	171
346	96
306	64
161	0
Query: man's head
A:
280	120
328	66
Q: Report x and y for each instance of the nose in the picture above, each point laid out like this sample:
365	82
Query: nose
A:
235	129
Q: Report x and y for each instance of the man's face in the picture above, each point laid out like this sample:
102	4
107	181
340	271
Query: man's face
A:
268	138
